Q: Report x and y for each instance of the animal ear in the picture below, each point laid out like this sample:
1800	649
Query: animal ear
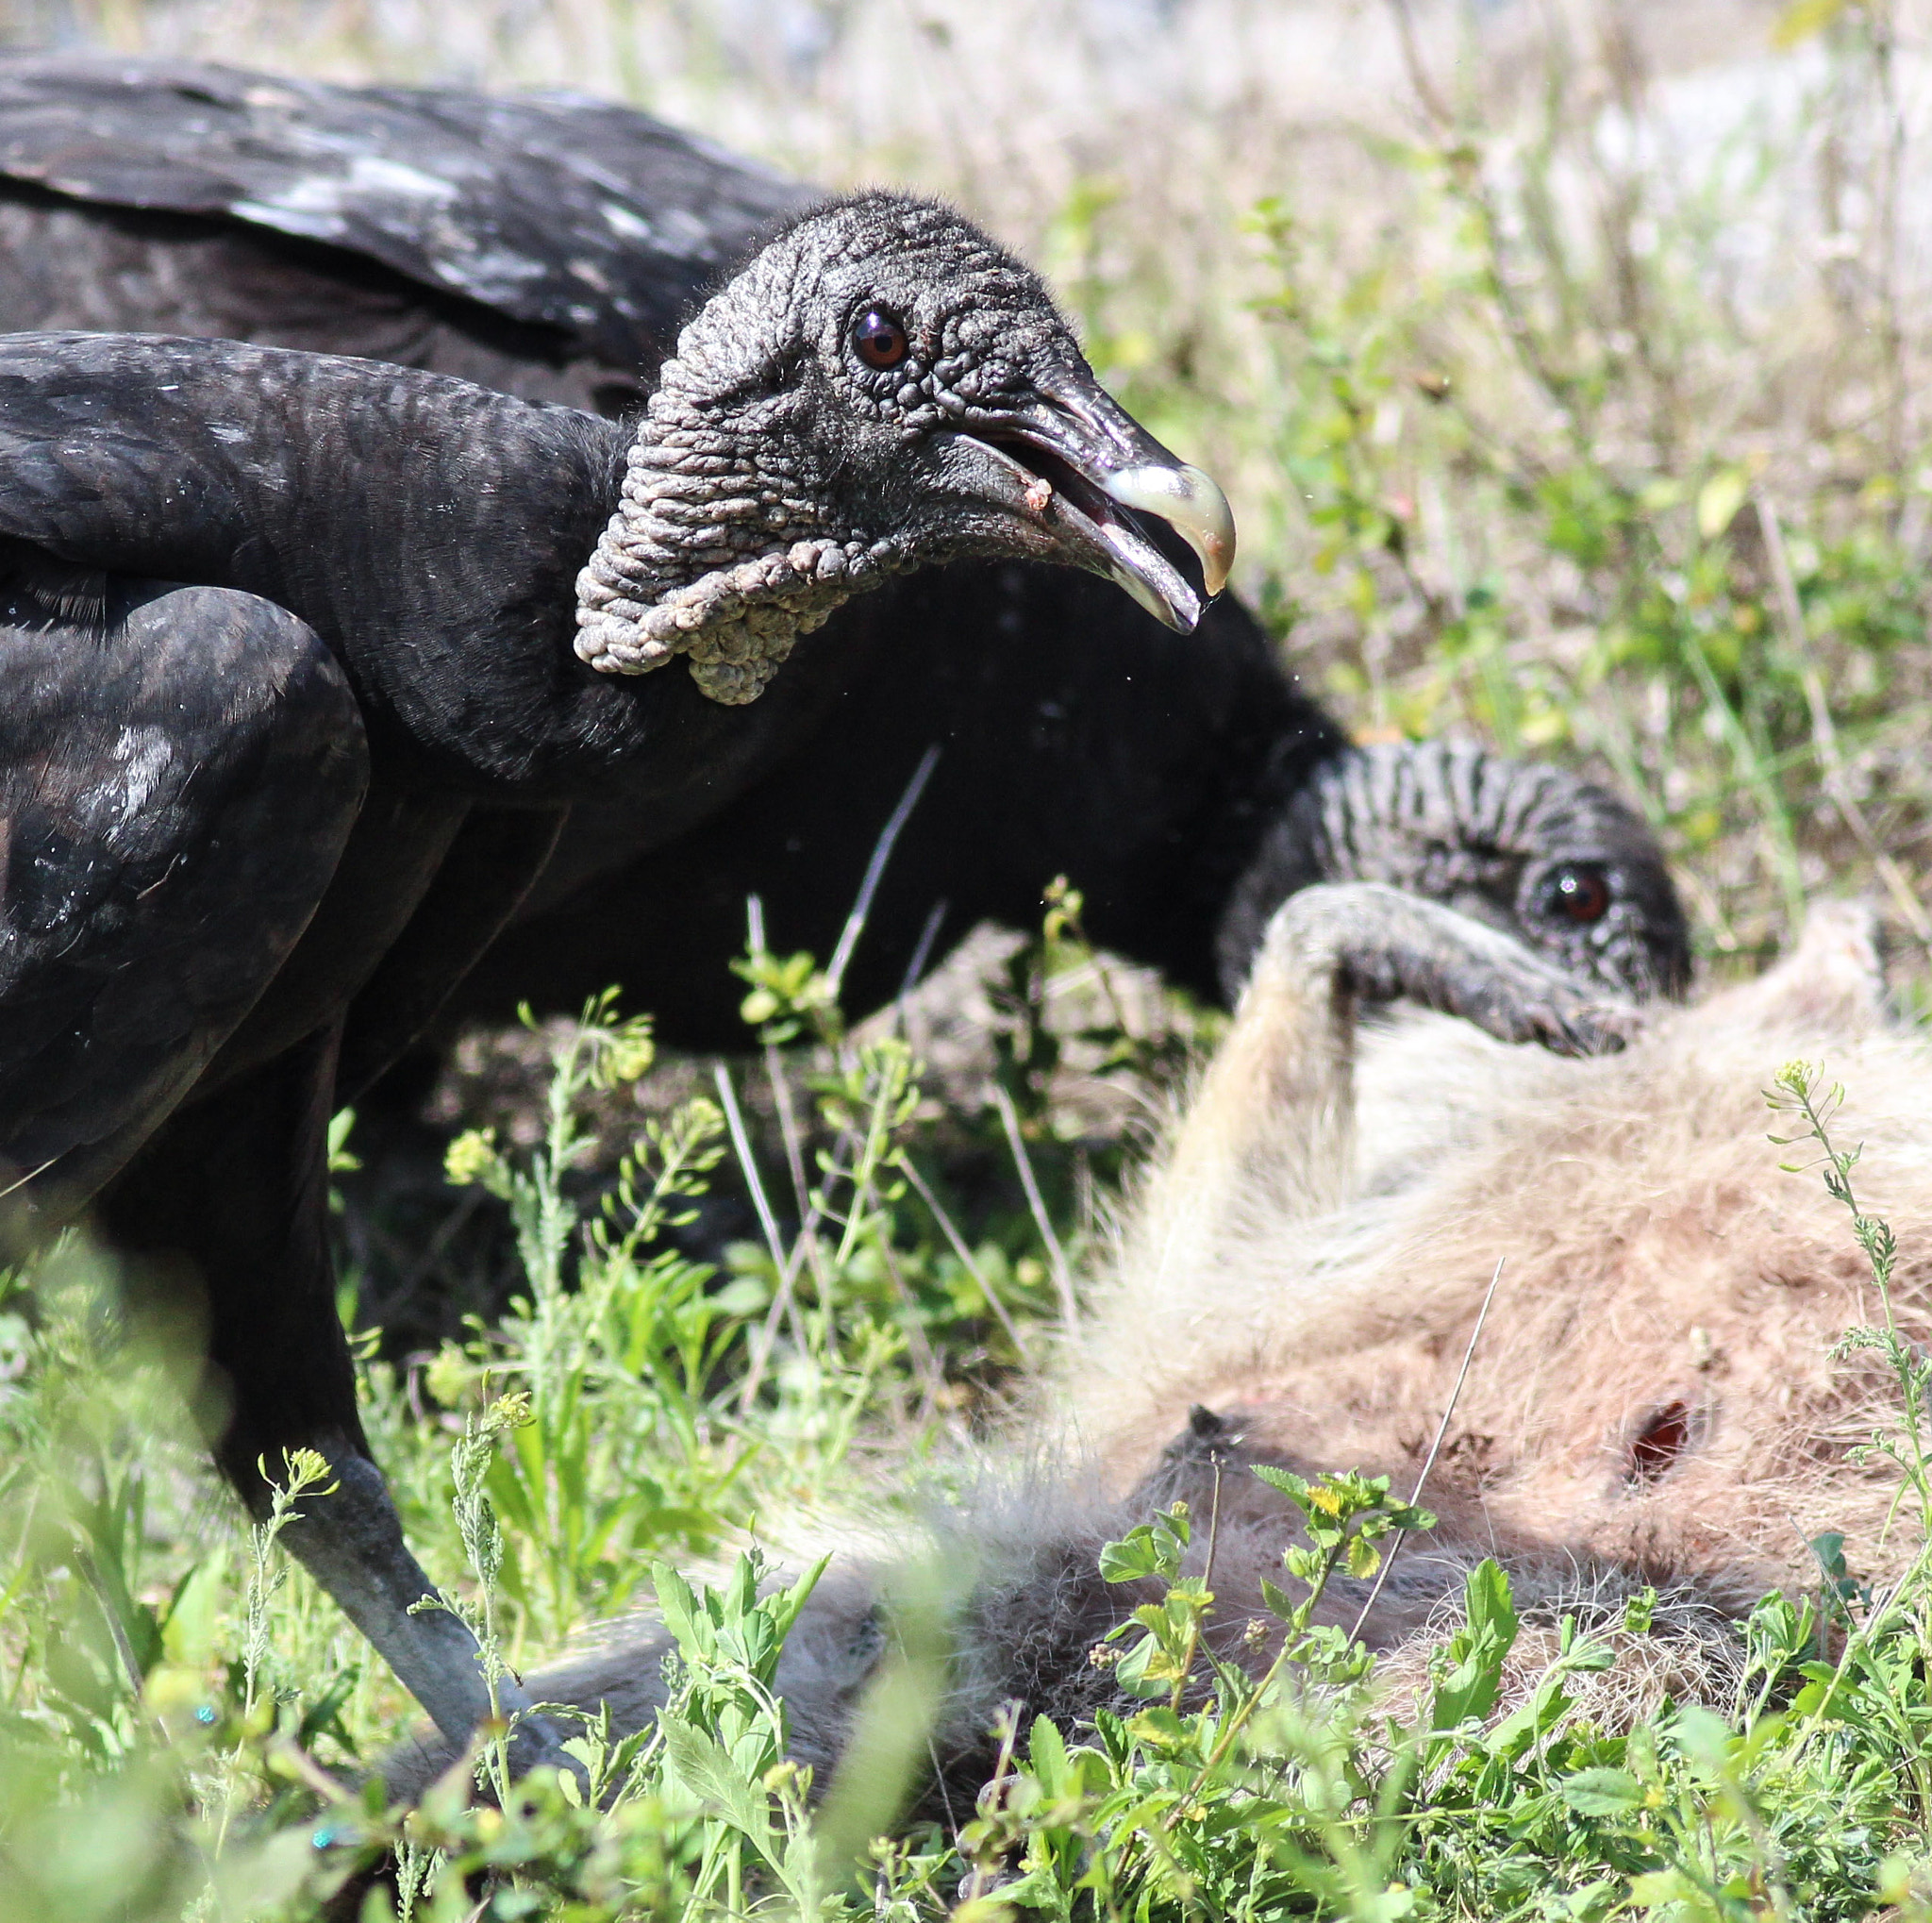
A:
1834	980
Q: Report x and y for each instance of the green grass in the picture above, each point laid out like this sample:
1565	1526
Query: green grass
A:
186	1720
1520	450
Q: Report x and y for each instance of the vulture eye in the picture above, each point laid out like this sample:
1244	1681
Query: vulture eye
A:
878	340
1578	894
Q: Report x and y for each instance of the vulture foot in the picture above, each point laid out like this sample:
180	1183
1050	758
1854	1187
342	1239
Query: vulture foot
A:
351	1541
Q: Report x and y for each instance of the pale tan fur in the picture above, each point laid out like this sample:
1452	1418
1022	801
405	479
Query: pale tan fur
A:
1308	1264
1655	1253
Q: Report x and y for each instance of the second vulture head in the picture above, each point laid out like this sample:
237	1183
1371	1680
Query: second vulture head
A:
882	387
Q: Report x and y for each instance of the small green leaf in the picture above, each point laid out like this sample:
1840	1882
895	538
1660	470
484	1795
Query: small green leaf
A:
1491	1605
1132	1558
1132	1673
1048	1750
680	1609
1602	1792
1294	1487
712	1776
1477	1652
1160	1729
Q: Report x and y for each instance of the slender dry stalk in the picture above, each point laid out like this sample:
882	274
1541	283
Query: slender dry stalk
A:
875	870
1422	1481
741	1144
967	1260
1062	1273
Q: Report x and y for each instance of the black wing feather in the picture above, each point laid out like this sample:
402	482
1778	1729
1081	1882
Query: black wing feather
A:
179	768
558	209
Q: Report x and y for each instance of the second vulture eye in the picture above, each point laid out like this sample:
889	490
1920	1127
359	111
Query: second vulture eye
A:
878	340
1579	894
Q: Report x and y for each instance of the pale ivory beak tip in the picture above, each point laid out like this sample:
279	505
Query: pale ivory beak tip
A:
1191	503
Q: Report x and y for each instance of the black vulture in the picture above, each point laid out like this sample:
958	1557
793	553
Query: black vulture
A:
1187	795
546	244
303	659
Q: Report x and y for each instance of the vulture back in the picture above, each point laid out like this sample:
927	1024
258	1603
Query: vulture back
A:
549	244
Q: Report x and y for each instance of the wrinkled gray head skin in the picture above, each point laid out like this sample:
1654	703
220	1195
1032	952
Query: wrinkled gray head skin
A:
1535	851
779	469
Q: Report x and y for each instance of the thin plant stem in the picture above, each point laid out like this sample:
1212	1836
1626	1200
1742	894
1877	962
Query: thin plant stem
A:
782	1301
875	871
950	1231
792	1137
789	1131
1435	1450
1062	1275
1200	1614
740	1143
1239	1720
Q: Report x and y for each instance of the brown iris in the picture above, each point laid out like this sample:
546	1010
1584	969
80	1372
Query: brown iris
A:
878	340
1580	894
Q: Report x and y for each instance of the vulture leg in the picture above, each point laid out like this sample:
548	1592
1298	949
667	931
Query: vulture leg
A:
1331	947
239	1186
180	772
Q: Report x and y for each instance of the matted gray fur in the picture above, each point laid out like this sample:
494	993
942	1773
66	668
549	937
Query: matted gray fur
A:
1654	1399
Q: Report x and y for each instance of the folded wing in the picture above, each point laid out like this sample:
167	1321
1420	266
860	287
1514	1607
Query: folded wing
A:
179	768
555	211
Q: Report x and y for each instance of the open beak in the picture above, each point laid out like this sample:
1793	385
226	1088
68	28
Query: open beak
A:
1091	470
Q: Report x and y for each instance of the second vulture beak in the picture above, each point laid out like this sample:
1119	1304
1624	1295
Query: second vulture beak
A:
1094	460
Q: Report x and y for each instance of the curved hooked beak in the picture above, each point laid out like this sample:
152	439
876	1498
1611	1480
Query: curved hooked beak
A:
1086	459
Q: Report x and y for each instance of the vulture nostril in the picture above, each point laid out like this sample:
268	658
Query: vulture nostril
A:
1656	1447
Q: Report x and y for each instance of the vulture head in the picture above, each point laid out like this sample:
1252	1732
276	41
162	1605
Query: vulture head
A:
881	388
1536	851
